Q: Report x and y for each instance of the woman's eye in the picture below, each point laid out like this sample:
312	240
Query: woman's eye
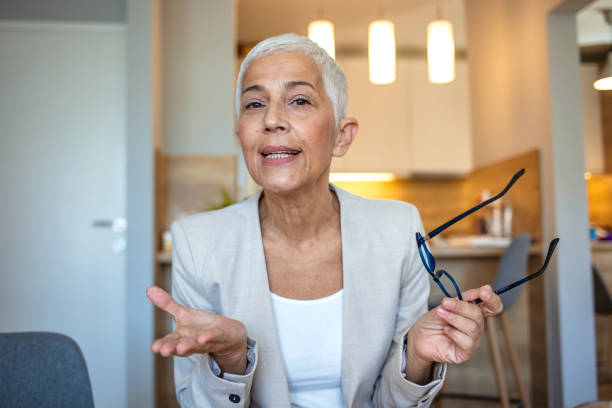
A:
253	105
301	101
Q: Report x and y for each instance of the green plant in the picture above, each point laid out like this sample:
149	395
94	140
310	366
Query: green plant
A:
227	200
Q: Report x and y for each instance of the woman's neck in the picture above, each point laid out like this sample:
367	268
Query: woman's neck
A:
299	216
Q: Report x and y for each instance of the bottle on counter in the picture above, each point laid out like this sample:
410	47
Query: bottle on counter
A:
507	221
496	221
484	220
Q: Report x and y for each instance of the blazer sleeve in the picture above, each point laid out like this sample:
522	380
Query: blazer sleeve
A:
392	389
196	377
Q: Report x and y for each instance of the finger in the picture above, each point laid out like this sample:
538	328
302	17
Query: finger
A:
464	342
186	346
471	294
213	335
463	308
157	344
163	300
491	303
168	347
468	326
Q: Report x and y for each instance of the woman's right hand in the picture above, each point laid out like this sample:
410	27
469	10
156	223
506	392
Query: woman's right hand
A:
200	332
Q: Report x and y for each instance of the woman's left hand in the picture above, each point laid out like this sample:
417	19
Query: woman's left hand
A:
449	333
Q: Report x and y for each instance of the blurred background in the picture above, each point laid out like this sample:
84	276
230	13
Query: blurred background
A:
117	117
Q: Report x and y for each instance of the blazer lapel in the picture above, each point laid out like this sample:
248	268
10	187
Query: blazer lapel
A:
352	330
362	295
270	387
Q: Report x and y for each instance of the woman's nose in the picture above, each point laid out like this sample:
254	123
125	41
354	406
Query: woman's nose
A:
275	118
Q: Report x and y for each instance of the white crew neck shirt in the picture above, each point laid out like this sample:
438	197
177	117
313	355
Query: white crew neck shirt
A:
310	336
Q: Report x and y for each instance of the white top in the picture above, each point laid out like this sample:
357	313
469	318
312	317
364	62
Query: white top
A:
310	336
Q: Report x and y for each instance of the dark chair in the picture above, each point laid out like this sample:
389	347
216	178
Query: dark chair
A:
41	370
512	267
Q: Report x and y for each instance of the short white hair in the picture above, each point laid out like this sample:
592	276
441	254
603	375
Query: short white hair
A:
334	80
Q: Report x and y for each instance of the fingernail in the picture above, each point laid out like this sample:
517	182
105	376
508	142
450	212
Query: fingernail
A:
442	311
486	296
449	303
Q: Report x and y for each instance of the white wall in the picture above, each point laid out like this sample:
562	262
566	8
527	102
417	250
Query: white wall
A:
525	90
198	77
62	166
591	119
141	240
102	11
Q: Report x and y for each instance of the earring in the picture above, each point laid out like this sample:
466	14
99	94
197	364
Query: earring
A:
339	151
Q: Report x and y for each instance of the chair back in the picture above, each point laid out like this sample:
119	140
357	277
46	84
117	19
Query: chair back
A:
595	404
512	267
39	369
601	294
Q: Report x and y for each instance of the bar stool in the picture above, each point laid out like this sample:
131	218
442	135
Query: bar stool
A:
512	267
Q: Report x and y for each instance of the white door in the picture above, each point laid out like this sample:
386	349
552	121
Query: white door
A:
62	166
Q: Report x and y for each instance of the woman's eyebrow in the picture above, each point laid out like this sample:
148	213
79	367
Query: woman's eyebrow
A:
293	84
252	88
288	85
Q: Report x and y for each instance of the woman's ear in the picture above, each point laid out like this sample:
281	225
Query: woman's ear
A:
346	134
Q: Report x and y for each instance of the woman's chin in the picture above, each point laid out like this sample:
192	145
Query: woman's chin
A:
281	186
287	185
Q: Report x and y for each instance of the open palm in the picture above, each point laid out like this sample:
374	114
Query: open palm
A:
200	332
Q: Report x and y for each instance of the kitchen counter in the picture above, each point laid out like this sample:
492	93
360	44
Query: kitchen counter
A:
165	258
443	252
601	246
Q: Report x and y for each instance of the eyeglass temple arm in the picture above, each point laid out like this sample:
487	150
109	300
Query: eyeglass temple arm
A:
551	249
442	227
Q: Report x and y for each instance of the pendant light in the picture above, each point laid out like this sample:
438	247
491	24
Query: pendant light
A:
322	32
381	52
440	50
604	79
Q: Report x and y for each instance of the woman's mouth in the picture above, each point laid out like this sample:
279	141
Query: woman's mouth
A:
276	155
279	155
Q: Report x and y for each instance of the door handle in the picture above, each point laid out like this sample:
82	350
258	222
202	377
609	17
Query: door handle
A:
118	224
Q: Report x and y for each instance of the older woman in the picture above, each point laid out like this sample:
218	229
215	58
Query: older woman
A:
306	295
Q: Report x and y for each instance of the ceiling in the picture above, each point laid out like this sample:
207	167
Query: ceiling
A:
594	34
259	19
592	28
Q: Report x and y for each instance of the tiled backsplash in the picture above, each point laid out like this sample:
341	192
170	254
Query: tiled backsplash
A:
439	200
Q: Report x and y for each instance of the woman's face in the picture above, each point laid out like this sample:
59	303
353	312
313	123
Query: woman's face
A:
286	127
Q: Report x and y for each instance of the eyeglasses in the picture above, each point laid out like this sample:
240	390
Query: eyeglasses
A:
430	263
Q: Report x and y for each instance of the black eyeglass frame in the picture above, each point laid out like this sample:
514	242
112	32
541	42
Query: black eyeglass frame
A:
430	263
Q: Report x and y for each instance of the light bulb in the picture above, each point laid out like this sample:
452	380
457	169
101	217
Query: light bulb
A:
440	52
322	32
381	52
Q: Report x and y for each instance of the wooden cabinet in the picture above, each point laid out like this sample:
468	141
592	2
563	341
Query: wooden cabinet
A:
409	127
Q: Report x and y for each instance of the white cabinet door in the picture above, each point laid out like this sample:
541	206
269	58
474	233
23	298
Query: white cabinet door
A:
410	126
381	143
441	130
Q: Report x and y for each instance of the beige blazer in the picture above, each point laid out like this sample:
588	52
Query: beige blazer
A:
218	265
